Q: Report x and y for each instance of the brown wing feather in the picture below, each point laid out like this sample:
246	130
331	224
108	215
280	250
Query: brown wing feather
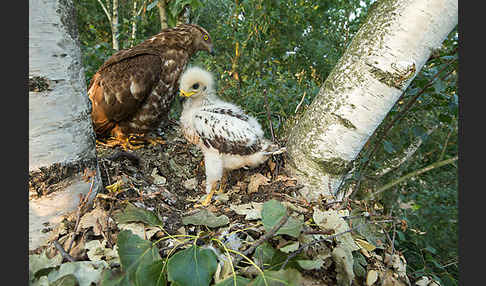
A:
118	90
133	89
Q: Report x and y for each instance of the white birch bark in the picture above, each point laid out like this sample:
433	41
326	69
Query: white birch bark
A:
61	137
383	58
162	14
114	26
134	23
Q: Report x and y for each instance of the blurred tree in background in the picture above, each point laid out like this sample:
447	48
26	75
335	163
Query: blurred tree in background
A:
288	48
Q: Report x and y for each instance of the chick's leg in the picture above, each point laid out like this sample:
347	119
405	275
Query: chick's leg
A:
214	173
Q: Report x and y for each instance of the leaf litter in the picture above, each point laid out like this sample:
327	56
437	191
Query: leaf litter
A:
143	225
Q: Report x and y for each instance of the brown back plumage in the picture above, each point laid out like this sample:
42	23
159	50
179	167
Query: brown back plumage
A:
133	90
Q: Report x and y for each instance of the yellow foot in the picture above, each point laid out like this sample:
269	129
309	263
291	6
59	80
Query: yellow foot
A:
155	141
133	142
125	143
207	200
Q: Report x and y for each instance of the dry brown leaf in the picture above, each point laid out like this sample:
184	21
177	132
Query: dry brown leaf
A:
288	181
89	220
256	180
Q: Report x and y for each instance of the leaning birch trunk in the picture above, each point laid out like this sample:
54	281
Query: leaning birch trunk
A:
61	138
383	58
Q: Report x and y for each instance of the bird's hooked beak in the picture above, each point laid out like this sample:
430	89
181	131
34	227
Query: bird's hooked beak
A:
212	52
186	93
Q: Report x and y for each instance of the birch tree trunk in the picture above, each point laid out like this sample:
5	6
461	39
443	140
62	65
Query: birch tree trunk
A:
113	19
383	58
114	26
61	137
162	14
134	23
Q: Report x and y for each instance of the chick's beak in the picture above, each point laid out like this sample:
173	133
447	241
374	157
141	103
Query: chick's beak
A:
186	93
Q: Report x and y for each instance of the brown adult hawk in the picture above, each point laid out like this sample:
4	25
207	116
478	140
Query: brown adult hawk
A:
228	138
131	93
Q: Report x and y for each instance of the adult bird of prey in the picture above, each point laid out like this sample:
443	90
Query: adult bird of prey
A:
131	93
228	138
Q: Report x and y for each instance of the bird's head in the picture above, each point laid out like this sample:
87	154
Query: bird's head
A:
201	38
195	82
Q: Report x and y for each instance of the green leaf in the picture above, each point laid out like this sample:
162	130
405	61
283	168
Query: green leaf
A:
272	212
86	272
431	249
192	266
152	275
264	254
207	218
41	261
135	253
287	277
419	131
230	281
66	280
310	264
388	147
111	278
136	214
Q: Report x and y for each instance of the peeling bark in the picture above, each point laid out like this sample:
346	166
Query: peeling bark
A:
383	58
61	138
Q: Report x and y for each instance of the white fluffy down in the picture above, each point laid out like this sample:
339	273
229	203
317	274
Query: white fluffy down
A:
205	116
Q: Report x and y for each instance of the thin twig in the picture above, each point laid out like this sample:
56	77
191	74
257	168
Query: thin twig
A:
82	203
106	171
263	238
269	116
300	103
106	11
415	173
61	250
293	254
393	239
445	144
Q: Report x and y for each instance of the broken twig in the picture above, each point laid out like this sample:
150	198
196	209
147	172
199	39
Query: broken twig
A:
263	238
82	202
61	250
269	116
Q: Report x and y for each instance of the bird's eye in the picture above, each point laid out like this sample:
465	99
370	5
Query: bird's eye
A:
206	37
195	86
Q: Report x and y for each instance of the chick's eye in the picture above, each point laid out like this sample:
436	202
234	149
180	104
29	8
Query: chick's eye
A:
206	37
195	86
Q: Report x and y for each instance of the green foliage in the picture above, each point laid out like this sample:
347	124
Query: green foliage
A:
230	281
134	214
432	216
288	49
136	255
193	266
287	277
272	213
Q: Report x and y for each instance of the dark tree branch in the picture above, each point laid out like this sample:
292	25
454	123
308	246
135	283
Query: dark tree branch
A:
263	238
